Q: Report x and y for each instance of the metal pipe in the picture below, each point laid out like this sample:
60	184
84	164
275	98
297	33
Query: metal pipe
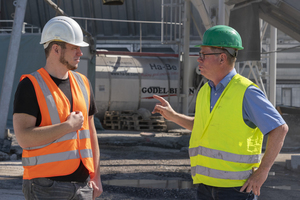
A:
176	20
136	53
140	37
120	20
273	63
162	22
171	20
200	6
11	64
186	57
55	7
221	14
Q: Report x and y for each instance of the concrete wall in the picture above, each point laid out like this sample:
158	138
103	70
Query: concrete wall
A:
30	58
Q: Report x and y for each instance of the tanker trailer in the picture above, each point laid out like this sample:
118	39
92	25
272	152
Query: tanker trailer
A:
126	82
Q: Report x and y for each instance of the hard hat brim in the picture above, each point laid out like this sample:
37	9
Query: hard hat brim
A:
201	45
82	44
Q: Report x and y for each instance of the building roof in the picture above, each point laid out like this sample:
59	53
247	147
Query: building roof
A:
38	12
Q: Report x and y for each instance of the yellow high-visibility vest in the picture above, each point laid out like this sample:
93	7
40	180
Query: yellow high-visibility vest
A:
223	149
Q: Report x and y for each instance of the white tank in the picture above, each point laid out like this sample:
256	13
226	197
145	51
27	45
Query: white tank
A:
128	82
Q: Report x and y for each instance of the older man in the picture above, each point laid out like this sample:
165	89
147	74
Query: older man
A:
232	115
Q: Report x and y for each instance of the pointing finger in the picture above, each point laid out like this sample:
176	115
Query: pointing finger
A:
159	98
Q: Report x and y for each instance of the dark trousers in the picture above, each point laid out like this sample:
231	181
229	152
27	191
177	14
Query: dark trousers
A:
46	189
205	192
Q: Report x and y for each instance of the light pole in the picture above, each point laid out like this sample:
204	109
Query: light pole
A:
11	63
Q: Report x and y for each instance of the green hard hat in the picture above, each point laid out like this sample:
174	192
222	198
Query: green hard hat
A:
222	36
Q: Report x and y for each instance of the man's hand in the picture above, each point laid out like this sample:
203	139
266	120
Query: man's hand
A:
255	181
75	120
163	108
273	147
168	113
96	184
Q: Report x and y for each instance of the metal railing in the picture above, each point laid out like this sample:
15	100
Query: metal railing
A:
6	26
171	21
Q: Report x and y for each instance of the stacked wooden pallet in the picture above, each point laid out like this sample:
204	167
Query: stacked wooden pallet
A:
131	120
112	120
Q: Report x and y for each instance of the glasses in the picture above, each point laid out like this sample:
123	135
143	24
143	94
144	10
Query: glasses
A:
202	55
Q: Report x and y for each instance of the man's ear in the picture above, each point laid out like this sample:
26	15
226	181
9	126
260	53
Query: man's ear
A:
223	57
55	48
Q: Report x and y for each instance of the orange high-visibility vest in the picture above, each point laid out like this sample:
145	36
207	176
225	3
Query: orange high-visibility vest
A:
62	156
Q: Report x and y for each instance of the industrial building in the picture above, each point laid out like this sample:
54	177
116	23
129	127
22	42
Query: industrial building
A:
144	47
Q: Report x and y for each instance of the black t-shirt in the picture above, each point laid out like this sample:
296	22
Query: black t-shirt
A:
26	102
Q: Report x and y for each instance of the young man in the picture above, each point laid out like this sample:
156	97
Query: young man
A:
54	121
232	115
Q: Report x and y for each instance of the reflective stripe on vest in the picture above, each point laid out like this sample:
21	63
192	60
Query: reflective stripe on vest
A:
37	160
86	153
49	98
220	174
213	153
82	87
83	134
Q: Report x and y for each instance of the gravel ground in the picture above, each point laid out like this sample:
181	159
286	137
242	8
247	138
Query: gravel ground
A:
160	167
155	168
154	163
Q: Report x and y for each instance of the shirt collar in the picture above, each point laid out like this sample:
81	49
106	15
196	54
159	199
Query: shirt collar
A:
224	82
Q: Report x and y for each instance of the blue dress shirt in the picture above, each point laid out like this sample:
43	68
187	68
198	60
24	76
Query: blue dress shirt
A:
257	109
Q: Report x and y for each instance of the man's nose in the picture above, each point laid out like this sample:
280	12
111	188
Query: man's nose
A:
199	59
79	52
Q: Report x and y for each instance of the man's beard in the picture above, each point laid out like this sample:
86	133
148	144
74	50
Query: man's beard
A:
65	62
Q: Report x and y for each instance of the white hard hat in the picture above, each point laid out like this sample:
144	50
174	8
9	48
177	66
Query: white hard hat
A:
63	29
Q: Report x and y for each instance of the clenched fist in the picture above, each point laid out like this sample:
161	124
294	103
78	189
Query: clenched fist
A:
75	120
